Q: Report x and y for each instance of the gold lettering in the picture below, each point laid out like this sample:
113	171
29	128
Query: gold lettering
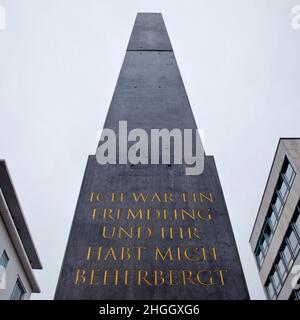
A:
80	276
92	277
90	252
129	233
163	256
140	196
201	281
208	198
111	253
143	277
115	277
185	277
160	274
135	215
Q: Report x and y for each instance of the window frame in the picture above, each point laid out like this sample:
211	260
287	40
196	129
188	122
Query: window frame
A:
294	251
4	254
288	164
285	273
277	196
270	283
294	225
18	285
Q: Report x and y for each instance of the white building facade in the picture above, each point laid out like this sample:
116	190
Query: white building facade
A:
275	239
18	256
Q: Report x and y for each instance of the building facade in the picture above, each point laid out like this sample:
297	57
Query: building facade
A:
275	239
18	256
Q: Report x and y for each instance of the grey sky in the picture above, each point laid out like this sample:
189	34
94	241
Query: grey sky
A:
59	62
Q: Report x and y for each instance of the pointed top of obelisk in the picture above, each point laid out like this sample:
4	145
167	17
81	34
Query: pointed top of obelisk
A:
149	34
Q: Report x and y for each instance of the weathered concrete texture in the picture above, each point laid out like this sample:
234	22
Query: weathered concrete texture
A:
149	33
87	232
150	94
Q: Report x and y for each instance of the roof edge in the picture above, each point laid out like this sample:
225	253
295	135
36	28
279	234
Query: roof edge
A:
17	243
268	179
16	212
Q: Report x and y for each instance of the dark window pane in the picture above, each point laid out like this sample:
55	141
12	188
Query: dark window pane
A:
18	292
264	245
289	174
283	189
293	242
4	260
281	269
297	222
293	296
277	205
287	255
273	219
270	290
276	281
297	294
259	257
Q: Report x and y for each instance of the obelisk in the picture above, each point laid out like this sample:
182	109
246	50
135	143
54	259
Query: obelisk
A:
150	231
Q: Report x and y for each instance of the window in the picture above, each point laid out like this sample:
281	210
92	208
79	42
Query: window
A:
286	253
289	173
270	290
273	219
263	244
18	291
282	189
266	238
4	260
295	295
3	264
293	242
259	257
277	205
296	221
276	281
281	269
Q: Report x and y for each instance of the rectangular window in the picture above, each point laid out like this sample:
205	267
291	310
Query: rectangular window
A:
295	295
288	172
259	256
277	205
281	269
273	219
270	290
282	189
3	264
18	291
293	242
264	245
296	221
276	281
286	253
4	260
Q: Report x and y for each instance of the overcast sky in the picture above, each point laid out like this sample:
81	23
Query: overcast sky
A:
59	63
